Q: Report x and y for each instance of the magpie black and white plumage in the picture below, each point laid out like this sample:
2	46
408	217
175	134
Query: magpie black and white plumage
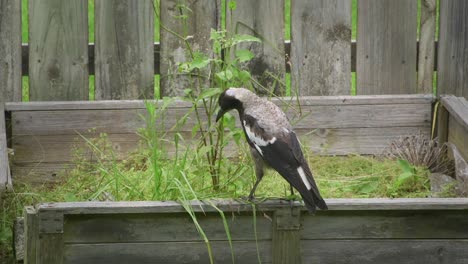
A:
272	142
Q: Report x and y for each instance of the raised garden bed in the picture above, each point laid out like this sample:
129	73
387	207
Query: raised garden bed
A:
352	231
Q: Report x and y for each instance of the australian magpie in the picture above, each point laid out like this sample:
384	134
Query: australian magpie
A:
272	142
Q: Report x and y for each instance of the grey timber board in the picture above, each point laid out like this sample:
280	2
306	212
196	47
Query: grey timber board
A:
426	46
5	174
386	50
452	64
286	247
58	54
229	205
167	252
40	173
10	51
283	101
333	141
127	121
172	227
31	234
45	159
457	107
124	49
255	18
321	47
458	135
385	251
202	16
50	249
386	224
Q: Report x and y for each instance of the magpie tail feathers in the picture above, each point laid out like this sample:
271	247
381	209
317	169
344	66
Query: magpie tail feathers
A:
314	198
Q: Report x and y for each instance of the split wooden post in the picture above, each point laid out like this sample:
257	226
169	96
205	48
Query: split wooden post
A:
5	174
30	235
286	245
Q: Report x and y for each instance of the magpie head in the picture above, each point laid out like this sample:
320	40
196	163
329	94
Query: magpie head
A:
230	99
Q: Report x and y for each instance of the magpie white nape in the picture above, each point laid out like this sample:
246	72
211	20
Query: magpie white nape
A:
272	142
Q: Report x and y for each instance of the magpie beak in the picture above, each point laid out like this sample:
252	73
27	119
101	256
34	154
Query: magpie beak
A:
220	114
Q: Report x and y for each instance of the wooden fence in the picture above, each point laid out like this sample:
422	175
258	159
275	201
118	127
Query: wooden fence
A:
351	231
320	56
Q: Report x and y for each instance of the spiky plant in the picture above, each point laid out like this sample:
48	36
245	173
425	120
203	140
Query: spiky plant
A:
419	150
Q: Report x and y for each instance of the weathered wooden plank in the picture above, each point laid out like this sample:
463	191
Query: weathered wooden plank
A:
31	232
156	55
321	47
426	46
228	205
453	48
178	252
286	246
134	228
10	50
58	61
282	101
386	50
45	159
458	135
128	121
40	173
458	109
65	148
5	174
381	224
124	49
49	249
384	251
442	123
255	18
363	141
187	23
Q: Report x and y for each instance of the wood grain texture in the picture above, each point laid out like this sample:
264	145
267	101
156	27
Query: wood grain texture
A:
452	63
269	205
45	141
31	234
5	173
128	121
321	47
10	50
325	141
133	228
385	251
386	50
284	102
286	246
124	49
257	18
386	224
49	249
167	252
426	46
58	55
202	16
458	135
457	107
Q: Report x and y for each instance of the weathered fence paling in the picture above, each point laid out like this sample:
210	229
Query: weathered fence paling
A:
384	56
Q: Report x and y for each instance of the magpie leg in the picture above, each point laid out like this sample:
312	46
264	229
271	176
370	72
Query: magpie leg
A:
291	200
252	192
258	160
